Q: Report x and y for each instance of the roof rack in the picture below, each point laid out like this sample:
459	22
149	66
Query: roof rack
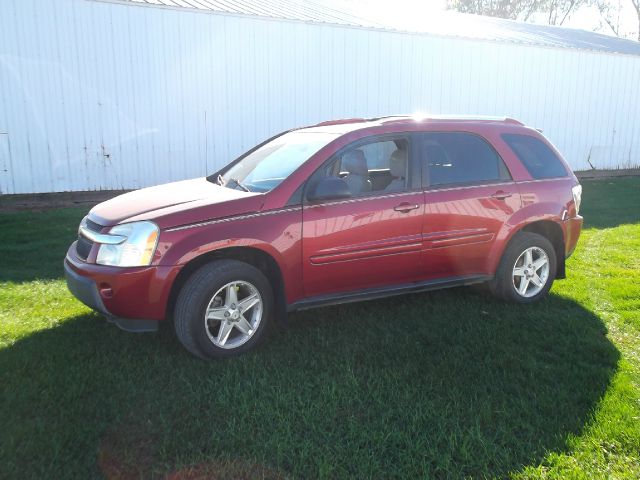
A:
446	118
340	122
420	117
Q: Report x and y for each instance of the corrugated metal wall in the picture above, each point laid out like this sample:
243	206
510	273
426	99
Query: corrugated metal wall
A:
107	96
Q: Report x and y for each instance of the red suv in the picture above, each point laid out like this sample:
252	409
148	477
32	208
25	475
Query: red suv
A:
338	212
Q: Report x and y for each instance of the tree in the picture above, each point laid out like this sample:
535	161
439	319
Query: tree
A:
636	5
610	11
560	10
556	11
512	9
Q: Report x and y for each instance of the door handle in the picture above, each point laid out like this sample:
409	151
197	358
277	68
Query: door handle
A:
501	195
405	207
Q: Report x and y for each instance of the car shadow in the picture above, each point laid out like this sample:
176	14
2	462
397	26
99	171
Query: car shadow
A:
444	384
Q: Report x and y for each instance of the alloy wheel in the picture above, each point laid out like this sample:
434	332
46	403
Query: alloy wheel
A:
233	314
531	272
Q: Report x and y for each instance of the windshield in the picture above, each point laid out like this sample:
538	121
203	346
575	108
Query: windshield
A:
265	168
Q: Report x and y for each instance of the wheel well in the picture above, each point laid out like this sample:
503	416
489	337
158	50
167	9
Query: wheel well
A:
253	256
552	231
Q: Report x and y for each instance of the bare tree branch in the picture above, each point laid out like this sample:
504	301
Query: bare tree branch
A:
636	5
610	13
496	8
556	11
566	14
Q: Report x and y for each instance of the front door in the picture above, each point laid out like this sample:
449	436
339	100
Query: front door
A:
374	238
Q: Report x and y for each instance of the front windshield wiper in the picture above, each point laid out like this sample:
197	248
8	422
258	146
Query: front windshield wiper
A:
239	184
223	183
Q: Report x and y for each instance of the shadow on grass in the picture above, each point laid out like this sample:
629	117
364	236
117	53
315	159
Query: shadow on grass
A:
447	384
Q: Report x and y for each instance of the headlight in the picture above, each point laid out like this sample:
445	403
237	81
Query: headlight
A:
577	196
141	239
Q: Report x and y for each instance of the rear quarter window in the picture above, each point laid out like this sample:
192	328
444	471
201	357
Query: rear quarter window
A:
539	160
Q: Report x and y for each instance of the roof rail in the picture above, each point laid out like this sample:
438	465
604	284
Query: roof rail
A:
389	118
419	117
445	118
340	122
513	120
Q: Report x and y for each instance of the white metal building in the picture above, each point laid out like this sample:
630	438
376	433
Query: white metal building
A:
130	93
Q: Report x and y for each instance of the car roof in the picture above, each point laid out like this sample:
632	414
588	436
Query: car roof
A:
351	124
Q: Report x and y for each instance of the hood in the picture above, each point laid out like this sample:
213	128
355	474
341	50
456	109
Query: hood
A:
170	198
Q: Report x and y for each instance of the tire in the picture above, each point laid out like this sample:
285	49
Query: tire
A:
209	291
513	270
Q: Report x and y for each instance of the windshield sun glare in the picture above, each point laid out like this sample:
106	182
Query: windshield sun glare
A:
265	168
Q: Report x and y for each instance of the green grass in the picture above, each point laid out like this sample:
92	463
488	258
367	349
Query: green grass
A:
448	384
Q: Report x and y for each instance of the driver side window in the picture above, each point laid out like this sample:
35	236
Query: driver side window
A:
377	167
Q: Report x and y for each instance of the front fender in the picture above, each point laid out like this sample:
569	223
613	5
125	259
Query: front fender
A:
277	233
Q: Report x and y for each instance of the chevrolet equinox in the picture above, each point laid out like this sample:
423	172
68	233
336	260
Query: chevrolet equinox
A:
337	212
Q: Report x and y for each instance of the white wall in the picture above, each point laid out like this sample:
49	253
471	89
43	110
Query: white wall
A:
101	95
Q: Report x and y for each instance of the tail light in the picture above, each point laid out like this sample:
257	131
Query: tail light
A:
576	190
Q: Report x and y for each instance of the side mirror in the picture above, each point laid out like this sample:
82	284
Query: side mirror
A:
329	188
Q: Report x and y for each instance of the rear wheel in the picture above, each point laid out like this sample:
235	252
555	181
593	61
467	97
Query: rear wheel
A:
527	269
223	309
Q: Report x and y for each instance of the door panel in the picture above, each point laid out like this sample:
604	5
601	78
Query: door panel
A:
362	243
460	226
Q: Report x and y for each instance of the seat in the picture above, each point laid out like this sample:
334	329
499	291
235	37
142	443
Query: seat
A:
355	164
398	170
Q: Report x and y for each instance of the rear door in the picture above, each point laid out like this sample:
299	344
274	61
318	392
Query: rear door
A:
374	238
469	195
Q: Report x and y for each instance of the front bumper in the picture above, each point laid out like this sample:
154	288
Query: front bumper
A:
135	299
84	289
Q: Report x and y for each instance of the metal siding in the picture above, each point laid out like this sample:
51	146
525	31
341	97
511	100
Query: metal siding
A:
5	164
632	104
99	95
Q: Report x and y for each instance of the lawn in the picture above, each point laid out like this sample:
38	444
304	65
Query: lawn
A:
448	384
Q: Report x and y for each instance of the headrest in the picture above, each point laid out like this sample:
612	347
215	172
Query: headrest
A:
398	164
355	162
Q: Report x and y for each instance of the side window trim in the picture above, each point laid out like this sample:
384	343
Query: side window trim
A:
426	181
414	173
457	186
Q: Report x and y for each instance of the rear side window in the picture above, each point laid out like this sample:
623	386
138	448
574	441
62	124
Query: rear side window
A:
536	156
458	158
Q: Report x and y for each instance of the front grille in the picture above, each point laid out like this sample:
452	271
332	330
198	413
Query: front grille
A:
83	246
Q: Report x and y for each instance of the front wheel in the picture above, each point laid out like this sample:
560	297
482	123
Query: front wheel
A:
223	309
527	269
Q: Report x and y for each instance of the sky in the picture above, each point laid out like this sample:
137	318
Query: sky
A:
587	18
